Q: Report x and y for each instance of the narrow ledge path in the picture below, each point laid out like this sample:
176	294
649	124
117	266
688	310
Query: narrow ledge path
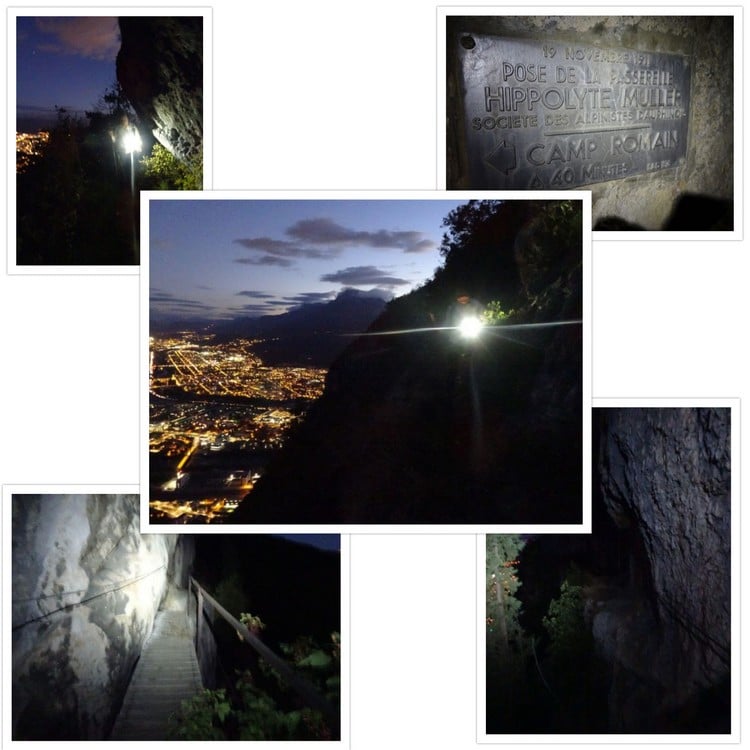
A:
166	674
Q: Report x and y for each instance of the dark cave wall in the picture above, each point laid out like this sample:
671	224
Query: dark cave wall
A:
160	68
86	586
665	476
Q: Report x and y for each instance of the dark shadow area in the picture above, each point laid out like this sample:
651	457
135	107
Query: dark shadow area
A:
609	633
309	578
289	596
420	424
700	213
74	203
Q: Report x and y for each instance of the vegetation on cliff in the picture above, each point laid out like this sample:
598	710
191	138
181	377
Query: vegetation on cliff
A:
419	425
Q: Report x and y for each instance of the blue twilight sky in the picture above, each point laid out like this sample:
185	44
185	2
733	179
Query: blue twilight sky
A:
329	542
62	61
249	257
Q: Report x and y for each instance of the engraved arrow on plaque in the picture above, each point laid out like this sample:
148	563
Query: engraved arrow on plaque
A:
503	158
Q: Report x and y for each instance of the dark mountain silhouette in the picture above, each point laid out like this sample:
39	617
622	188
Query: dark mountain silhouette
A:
33	123
312	334
423	427
351	311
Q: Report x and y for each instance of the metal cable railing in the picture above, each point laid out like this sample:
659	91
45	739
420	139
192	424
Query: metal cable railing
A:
97	595
306	690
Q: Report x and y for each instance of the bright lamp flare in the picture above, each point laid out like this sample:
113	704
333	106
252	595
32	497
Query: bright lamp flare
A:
469	327
131	141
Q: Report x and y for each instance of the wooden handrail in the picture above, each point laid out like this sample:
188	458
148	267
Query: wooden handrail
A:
299	684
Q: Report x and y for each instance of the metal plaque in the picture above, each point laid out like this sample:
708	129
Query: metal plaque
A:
552	115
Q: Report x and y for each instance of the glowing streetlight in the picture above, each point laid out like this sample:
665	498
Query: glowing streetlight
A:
131	142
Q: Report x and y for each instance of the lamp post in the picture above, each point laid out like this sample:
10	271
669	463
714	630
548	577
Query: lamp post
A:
131	142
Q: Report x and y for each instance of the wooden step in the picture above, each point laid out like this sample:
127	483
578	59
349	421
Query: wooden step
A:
166	674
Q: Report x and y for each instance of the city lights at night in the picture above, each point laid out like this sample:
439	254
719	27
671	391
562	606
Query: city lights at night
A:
91	133
217	414
29	148
241	338
367	360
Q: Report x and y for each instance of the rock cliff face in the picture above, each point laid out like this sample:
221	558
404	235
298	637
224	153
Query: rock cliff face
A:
425	427
160	68
86	586
665	476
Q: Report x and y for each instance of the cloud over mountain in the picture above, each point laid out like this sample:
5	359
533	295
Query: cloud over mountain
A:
364	276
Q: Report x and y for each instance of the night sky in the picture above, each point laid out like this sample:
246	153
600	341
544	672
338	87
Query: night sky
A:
330	542
62	62
219	259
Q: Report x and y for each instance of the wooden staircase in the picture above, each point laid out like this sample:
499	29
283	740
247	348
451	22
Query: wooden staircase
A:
166	674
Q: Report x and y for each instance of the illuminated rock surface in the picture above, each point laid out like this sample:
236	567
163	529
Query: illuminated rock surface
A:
160	68
86	588
665	475
642	643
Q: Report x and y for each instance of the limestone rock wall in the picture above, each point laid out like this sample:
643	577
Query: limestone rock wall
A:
648	201
665	474
86	586
160	68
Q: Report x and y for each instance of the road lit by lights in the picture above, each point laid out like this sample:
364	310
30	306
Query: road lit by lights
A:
205	510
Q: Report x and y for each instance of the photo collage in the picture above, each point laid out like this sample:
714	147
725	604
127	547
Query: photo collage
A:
373	375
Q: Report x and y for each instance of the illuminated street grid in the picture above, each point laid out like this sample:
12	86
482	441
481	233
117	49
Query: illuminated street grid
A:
29	146
207	450
201	367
